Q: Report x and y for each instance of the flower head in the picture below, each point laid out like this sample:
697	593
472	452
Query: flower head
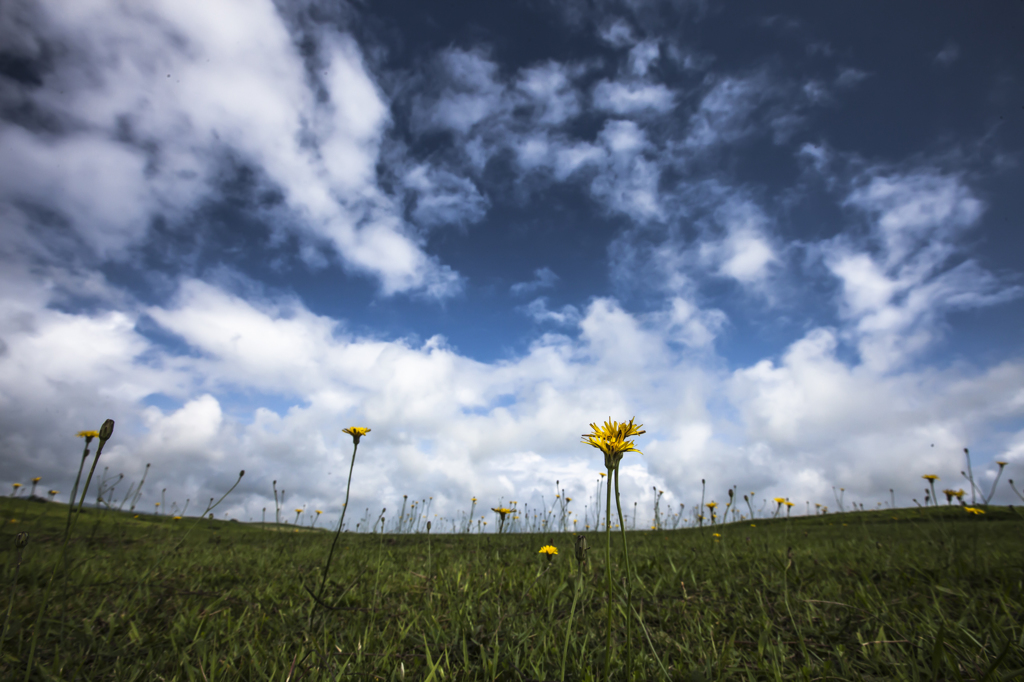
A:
356	432
711	505
549	550
716	535
17	485
931	477
974	510
611	439
88	435
788	503
780	500
37	479
1000	463
502	510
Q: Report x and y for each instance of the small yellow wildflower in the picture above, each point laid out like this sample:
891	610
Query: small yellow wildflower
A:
711	505
501	510
356	432
930	477
602	474
780	500
17	485
611	439
753	525
716	535
176	518
1000	463
37	479
549	550
788	503
88	435
974	510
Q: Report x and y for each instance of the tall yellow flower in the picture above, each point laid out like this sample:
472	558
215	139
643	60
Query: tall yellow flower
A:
611	438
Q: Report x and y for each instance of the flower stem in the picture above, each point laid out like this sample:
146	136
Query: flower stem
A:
330	555
608	570
629	583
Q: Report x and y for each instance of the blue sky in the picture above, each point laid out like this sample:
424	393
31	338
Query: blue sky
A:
786	239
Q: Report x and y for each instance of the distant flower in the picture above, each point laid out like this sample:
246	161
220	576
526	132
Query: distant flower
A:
753	525
931	477
37	479
716	535
318	512
711	505
356	432
602	474
502	510
550	550
176	518
88	435
1001	464
788	503
974	510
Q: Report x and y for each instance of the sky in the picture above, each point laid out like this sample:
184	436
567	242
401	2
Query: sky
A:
787	239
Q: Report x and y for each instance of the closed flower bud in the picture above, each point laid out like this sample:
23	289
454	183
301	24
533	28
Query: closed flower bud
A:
107	430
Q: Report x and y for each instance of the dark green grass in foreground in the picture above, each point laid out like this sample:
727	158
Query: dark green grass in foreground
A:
936	594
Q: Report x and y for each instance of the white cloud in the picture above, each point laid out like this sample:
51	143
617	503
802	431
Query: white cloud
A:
898	285
158	100
948	54
538	310
471	92
618	33
642	55
448	426
850	77
723	115
443	198
550	90
544	278
627	98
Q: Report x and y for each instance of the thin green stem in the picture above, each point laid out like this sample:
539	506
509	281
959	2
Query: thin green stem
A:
572	613
608	570
629	583
337	533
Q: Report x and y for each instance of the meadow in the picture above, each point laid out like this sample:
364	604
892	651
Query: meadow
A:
907	594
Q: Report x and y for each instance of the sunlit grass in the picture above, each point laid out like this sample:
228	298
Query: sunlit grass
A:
917	594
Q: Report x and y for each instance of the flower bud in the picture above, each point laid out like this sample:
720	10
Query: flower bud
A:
107	430
20	540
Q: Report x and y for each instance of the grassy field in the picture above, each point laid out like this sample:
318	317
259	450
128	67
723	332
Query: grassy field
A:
923	594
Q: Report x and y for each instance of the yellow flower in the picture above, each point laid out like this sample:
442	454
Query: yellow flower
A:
753	525
1000	463
17	485
318	512
716	535
611	439
788	503
603	474
960	494
356	432
974	510
298	511
931	477
88	435
502	511
37	479
711	505
177	518
780	500
549	550
473	499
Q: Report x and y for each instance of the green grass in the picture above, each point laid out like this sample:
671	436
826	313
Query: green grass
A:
936	595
